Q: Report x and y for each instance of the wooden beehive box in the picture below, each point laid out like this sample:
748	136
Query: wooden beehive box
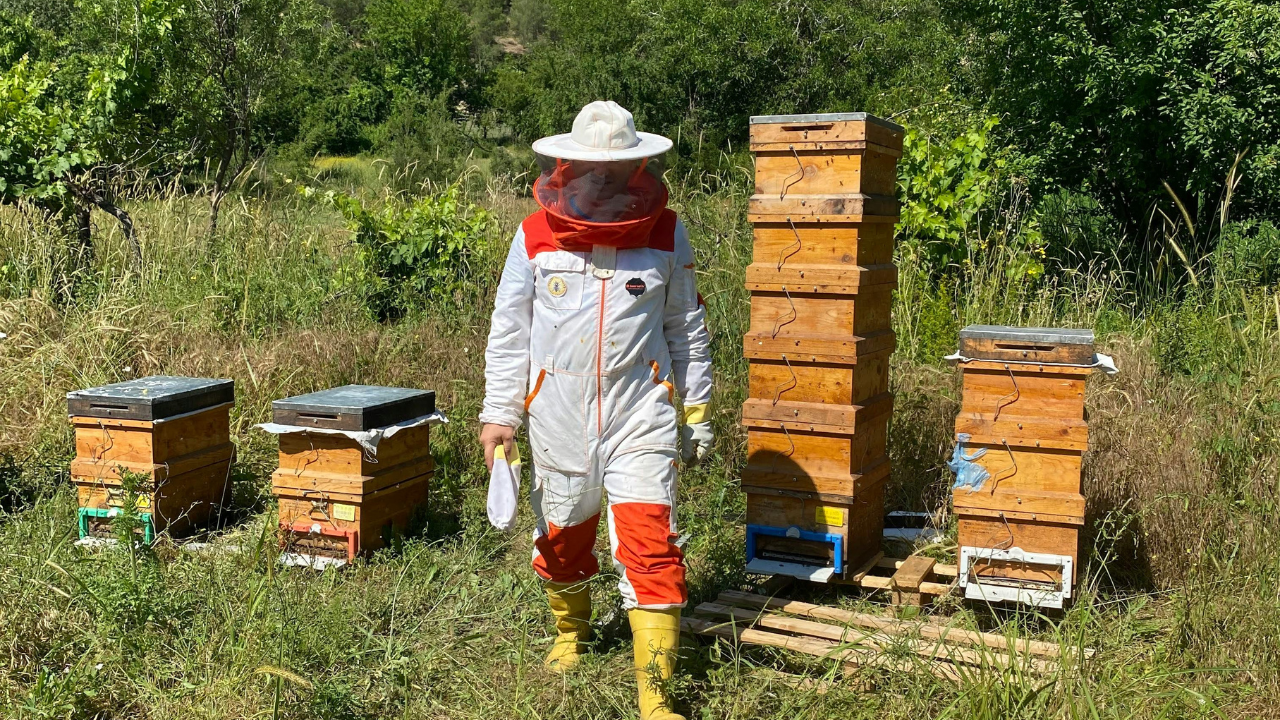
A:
336	497
174	431
782	525
830	168
819	340
1023	403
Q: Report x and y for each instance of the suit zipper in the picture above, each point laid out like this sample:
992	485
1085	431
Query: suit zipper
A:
599	365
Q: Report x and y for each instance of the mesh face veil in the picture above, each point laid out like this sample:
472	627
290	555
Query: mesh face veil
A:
593	192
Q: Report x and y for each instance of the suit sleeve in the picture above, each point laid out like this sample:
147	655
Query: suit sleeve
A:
685	327
506	359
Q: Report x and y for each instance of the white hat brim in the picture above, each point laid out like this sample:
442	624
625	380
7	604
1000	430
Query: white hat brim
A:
563	147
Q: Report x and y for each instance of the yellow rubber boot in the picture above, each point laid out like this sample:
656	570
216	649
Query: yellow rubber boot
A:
571	604
656	634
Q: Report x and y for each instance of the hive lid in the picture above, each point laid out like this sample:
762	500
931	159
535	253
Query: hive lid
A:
1061	346
354	407
150	398
826	117
1056	336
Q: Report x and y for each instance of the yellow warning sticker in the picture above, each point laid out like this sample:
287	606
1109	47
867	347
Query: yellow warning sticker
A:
829	515
344	512
144	501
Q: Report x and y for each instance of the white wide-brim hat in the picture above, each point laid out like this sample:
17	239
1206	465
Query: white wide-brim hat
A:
604	130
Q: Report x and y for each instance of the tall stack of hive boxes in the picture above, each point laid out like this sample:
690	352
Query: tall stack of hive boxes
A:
340	498
819	341
1023	414
171	433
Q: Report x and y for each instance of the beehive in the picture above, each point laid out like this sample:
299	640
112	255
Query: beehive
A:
172	431
337	498
1023	404
819	340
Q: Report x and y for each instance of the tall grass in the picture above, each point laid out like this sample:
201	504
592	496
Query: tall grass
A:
1183	591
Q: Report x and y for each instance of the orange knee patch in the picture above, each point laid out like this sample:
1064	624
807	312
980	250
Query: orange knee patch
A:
646	548
564	553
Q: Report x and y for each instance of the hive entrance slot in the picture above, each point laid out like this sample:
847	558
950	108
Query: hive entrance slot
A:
323	546
1025	583
988	571
108	408
806	552
811	127
99	527
1024	347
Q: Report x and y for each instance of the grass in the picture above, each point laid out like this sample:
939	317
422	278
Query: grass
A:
1182	597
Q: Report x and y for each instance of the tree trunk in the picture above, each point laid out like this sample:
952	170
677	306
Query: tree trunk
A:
126	225
220	177
84	233
215	203
90	196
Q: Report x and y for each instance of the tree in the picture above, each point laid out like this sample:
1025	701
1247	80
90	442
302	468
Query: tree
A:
58	154
424	46
1120	97
238	52
697	69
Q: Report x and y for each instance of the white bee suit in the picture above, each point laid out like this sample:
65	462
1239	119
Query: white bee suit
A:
592	346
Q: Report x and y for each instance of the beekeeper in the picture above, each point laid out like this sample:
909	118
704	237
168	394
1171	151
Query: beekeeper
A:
597	326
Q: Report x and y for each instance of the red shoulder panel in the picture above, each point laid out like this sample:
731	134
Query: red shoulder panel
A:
538	237
663	235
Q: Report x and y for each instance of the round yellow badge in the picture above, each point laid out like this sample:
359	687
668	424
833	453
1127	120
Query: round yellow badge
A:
557	286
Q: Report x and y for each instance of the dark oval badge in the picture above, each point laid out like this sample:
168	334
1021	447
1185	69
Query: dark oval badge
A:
636	286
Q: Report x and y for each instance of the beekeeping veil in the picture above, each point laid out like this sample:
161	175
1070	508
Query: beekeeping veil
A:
601	184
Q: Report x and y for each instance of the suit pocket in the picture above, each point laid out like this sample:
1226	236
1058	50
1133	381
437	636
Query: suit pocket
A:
558	280
558	423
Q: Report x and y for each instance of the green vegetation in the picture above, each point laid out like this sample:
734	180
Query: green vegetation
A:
303	193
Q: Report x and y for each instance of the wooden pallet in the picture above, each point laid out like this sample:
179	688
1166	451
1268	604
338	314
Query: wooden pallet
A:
914	580
862	640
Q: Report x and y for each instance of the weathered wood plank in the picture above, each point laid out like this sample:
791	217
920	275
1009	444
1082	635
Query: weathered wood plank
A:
815	647
908	577
825	279
879	640
894	627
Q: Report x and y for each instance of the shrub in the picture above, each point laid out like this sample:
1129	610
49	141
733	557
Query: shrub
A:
417	250
421	139
1248	253
1191	341
696	70
517	169
958	199
423	45
529	19
1121	96
339	123
937	328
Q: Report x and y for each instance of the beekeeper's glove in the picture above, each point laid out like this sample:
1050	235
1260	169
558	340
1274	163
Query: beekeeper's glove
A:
696	435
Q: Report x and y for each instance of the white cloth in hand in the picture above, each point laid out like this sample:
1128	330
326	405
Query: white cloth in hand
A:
504	489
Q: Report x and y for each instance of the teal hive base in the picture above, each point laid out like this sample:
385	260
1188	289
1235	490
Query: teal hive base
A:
148	527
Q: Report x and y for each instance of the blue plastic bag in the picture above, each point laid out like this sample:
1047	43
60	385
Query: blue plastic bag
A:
969	475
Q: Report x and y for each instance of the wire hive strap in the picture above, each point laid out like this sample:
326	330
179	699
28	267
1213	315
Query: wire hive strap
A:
786	384
798	174
784	255
1017	393
779	324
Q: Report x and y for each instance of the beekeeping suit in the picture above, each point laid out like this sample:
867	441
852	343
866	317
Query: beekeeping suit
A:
597	326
